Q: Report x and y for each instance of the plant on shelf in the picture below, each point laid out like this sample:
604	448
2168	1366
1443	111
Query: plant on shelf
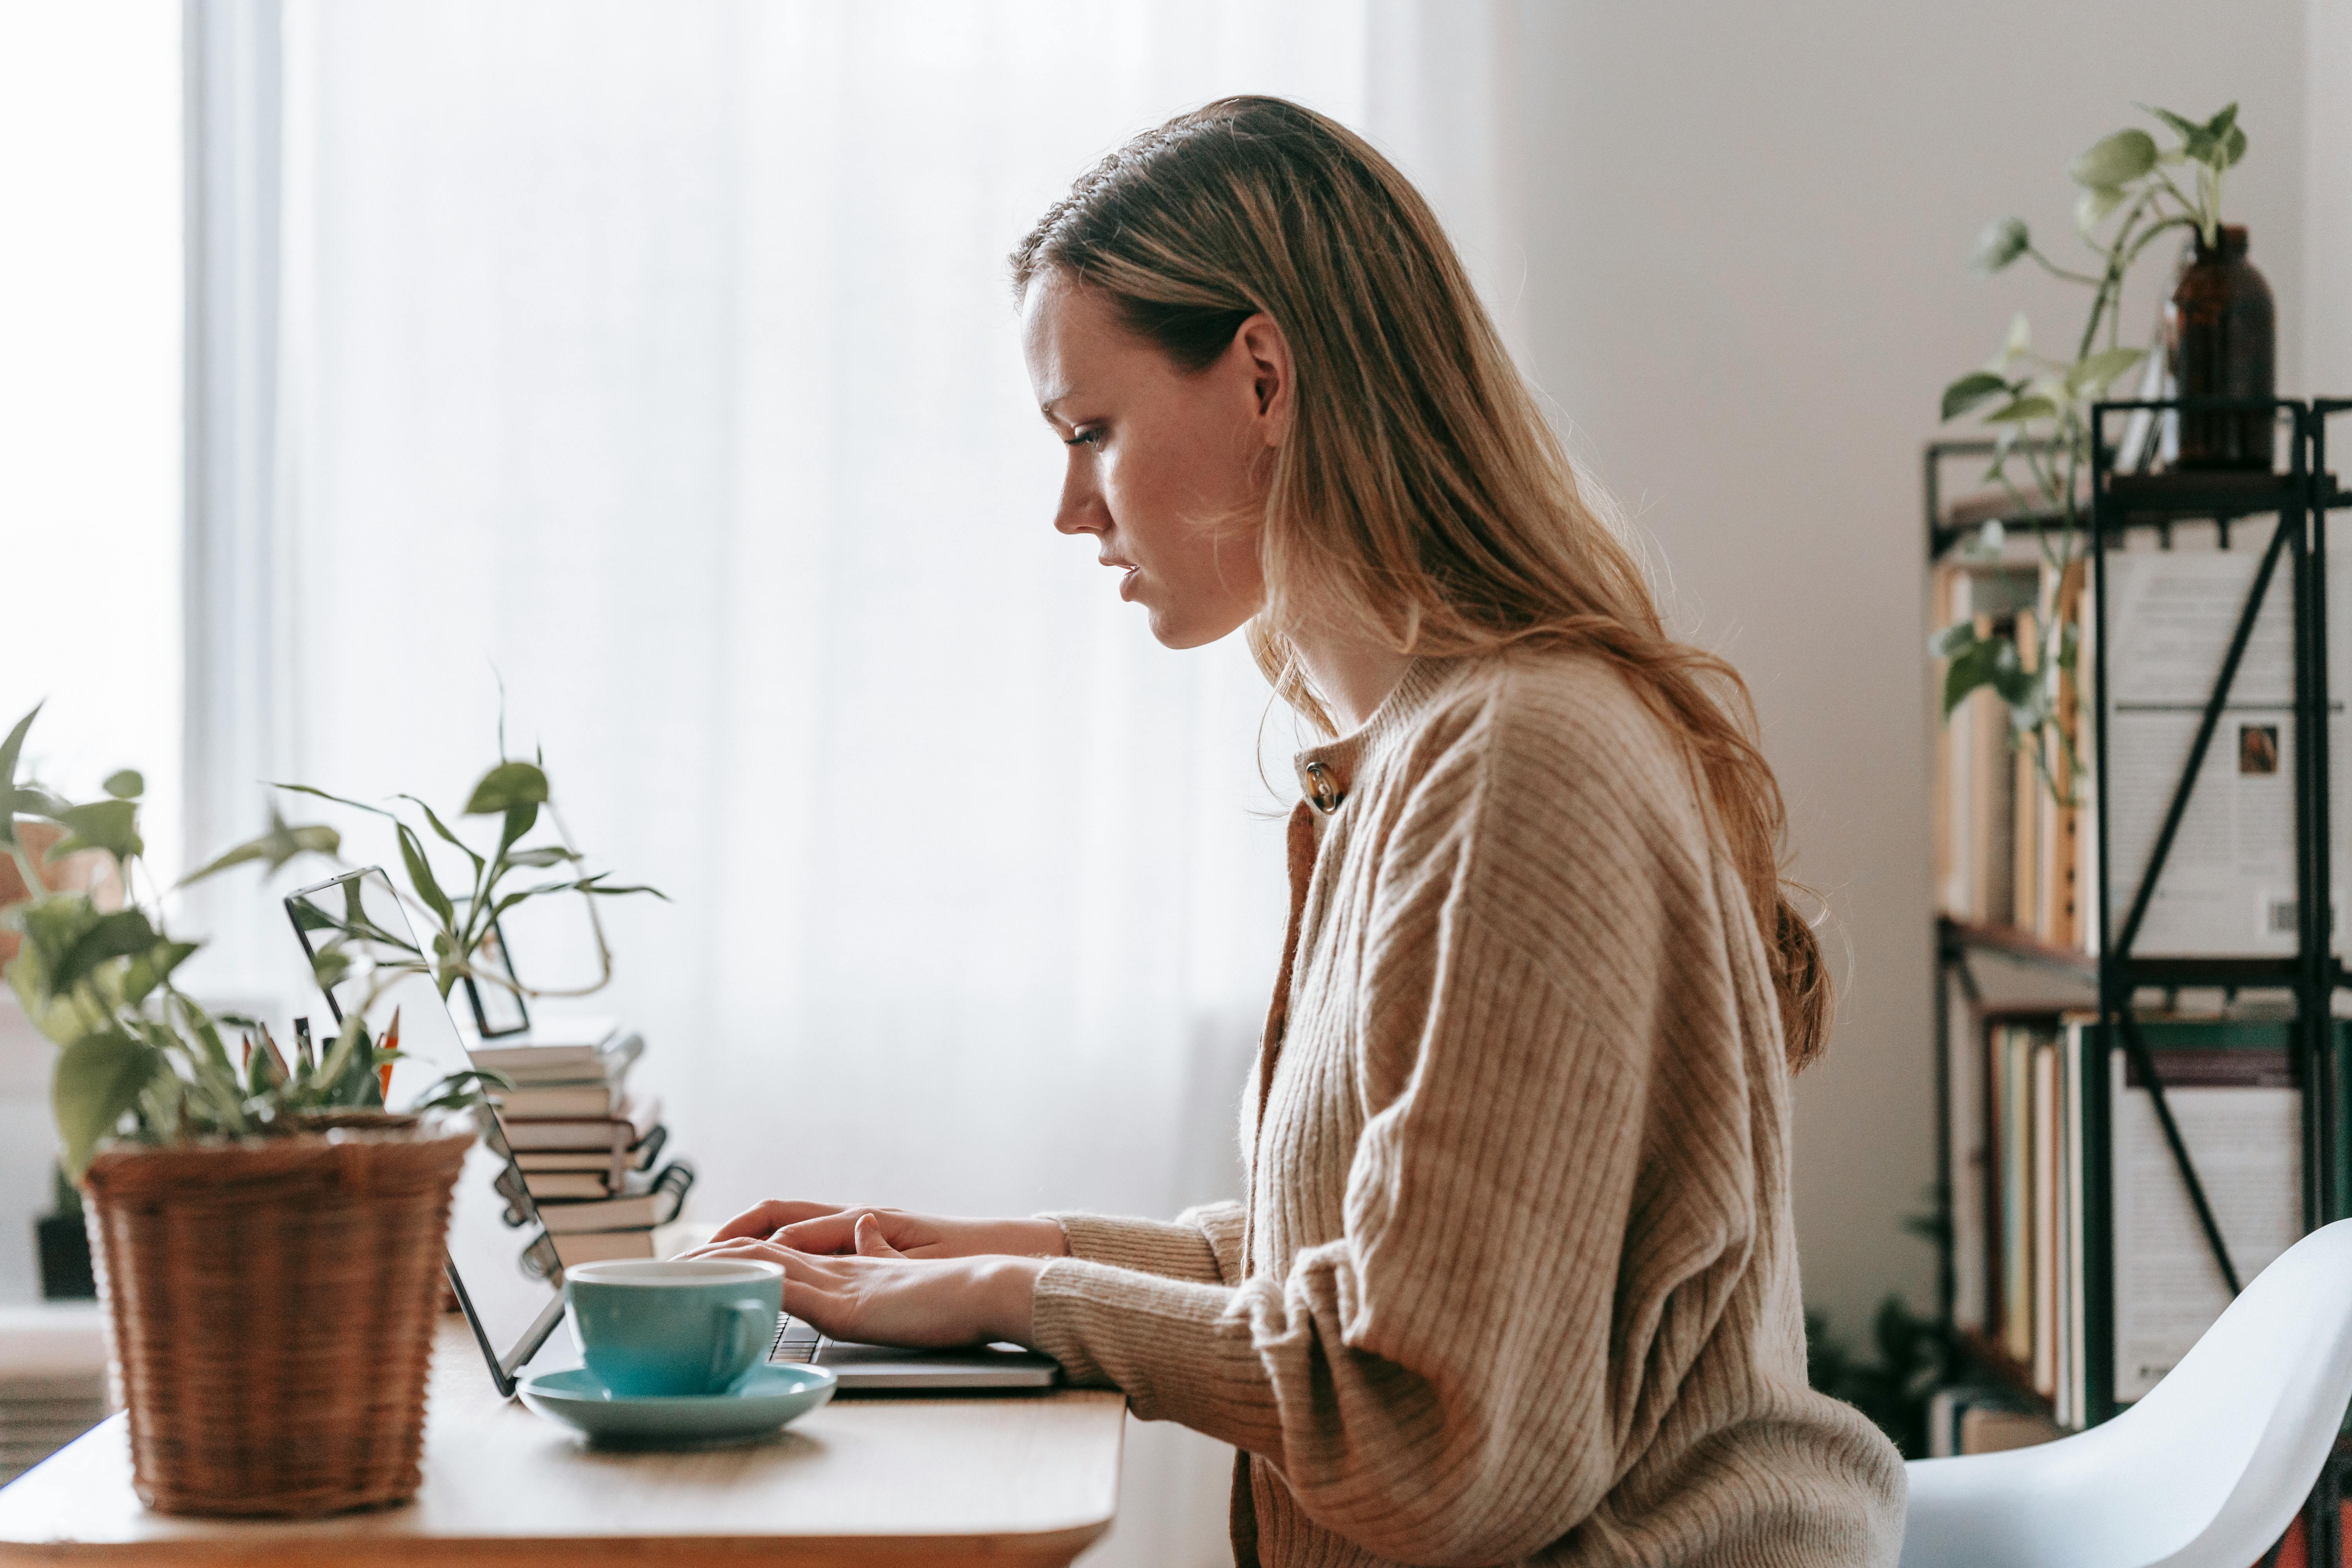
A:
2038	405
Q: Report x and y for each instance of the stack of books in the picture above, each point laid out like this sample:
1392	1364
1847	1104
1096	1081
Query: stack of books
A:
2019	1221
586	1145
52	1380
2011	849
2013	852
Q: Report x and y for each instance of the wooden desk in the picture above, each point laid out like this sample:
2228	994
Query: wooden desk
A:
894	1478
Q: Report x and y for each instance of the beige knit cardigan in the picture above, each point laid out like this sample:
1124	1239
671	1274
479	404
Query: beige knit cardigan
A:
1516	1278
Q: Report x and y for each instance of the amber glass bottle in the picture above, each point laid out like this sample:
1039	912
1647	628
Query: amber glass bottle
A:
2221	336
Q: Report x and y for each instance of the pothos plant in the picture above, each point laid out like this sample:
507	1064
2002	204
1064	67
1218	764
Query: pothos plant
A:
141	1060
2039	404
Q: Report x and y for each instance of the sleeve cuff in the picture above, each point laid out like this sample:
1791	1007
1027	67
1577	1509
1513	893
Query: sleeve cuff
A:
1179	1350
1173	1251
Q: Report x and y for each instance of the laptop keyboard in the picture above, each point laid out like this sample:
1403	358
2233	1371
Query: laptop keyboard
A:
796	1343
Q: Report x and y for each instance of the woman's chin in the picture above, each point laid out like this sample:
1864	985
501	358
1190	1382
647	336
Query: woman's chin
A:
1173	628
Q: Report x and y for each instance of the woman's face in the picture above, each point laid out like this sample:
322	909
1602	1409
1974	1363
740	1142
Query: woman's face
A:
1167	469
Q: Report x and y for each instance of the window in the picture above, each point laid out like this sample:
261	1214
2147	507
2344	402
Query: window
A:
90	395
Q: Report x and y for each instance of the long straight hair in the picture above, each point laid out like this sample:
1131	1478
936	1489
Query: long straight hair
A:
1419	490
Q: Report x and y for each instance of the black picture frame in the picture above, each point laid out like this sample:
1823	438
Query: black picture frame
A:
498	1012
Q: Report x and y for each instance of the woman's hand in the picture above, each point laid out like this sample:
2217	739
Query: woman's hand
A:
876	1294
833	1228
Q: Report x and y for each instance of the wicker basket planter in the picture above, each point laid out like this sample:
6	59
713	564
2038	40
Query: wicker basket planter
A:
271	1306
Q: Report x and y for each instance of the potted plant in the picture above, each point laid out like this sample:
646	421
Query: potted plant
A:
2038	405
267	1234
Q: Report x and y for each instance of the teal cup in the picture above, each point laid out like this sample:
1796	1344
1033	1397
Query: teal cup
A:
695	1326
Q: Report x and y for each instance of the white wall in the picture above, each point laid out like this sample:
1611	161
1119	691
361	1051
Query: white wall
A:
1745	284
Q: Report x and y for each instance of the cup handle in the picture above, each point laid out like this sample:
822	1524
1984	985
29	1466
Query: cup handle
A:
745	1326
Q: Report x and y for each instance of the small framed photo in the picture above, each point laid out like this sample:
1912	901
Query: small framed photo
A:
2257	749
499	1009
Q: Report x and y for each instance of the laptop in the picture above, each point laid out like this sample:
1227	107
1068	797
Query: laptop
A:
881	1368
502	1267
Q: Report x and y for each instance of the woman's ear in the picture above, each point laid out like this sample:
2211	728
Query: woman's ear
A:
1266	354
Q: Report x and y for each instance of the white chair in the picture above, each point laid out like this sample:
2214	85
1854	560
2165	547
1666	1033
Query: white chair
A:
2205	1472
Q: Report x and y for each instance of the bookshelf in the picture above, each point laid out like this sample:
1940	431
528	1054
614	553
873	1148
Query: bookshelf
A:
2277	522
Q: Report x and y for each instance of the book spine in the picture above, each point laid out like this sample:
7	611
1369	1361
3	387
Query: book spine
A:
2030	797
1950	803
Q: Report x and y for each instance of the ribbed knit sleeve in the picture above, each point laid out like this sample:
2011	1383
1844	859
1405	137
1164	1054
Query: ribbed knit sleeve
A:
1188	1248
1551	1206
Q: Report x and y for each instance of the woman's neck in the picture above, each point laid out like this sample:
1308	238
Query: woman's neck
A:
1353	674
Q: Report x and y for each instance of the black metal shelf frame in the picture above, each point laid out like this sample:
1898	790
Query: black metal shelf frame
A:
2300	499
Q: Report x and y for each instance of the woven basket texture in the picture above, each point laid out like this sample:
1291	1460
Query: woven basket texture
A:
271	1305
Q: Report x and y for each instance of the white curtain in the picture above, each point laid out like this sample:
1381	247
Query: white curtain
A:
659	358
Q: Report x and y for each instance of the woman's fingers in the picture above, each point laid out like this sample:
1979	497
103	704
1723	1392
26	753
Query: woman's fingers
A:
869	1240
835	1231
765	1219
738	1247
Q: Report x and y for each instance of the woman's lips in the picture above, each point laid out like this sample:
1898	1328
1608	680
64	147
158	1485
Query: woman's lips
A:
1126	583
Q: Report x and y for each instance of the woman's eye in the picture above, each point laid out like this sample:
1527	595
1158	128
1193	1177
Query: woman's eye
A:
1091	437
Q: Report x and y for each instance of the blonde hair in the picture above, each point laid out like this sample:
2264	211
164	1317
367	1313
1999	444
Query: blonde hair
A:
1418	490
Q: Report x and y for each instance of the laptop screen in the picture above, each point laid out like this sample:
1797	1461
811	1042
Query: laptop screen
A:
500	1261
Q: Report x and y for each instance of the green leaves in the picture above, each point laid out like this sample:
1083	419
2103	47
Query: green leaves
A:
2114	160
2094	207
118	935
2218	144
273	848
2001	243
150	969
421	877
10	795
108	824
506	787
2090	376
99	1078
1979	662
2024	409
1971	390
126	783
463	1090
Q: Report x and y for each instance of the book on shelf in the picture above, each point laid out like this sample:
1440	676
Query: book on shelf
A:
2010	1076
640	1206
1965	1419
2009	850
611	1162
2232	1086
1967	1180
550	1102
626	1128
598	1245
2233	1094
567	1061
2227	885
557	1186
2012	851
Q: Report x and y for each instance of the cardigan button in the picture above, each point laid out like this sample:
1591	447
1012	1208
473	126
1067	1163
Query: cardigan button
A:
1326	795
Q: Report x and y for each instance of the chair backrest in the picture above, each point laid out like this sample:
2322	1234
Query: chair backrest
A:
2208	1469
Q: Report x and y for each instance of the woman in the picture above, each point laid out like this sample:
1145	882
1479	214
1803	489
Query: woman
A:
1516	1277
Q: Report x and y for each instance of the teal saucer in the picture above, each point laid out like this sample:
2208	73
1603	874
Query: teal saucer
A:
768	1397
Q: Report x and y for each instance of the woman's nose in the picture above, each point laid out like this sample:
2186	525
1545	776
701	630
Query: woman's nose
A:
1081	509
